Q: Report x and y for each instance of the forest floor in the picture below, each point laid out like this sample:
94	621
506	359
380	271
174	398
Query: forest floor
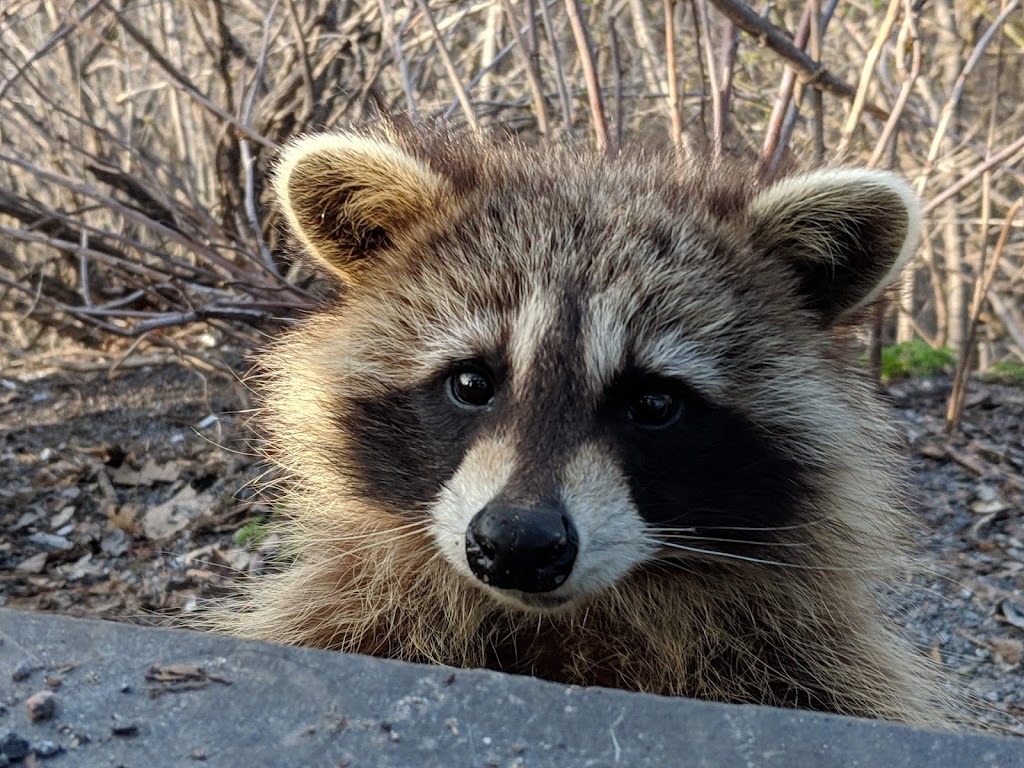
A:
129	498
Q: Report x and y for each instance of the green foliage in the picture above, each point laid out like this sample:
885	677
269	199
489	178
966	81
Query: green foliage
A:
253	532
1004	372
916	358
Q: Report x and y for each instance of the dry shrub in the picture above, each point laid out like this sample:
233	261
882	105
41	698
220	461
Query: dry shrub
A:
135	138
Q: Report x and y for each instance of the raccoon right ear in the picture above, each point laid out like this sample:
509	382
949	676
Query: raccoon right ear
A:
845	233
348	197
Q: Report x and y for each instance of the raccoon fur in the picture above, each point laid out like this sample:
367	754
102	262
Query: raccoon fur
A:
592	419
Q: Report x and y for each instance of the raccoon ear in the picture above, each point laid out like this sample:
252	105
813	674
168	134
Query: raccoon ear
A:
846	233
348	197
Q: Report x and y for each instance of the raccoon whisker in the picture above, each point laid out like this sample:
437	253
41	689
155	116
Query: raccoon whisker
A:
227	449
374	540
683	537
794	527
758	560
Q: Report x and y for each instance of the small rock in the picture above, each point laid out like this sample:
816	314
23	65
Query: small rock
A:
34	564
14	747
21	672
115	542
50	542
125	729
26	520
41	706
47	749
63	517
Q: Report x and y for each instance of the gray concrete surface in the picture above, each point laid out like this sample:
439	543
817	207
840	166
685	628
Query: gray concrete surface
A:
264	705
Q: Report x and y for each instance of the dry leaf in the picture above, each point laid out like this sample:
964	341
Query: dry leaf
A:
150	473
122	518
1008	651
175	515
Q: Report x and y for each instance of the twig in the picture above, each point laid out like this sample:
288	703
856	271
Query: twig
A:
774	145
586	52
717	116
564	94
779	41
248	163
817	118
308	95
533	39
675	108
727	64
613	43
958	395
175	74
387	13
540	109
453	76
867	73
57	37
1006	152
907	33
956	93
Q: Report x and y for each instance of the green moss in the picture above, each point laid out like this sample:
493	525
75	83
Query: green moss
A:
253	532
1004	372
916	358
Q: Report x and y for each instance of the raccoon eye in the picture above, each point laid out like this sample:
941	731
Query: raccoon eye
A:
471	388
653	409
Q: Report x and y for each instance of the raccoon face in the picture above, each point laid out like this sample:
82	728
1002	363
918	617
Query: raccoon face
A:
573	368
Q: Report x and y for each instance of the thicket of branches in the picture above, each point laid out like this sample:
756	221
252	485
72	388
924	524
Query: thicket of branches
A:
134	138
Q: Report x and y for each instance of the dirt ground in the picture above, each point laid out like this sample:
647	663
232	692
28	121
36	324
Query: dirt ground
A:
129	498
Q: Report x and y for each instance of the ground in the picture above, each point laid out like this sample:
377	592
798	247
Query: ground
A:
128	496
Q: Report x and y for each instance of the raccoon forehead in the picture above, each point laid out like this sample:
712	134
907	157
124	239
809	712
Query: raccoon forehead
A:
550	331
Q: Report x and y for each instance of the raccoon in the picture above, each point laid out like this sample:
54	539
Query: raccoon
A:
593	419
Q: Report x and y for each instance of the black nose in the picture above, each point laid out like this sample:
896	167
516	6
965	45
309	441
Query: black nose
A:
529	549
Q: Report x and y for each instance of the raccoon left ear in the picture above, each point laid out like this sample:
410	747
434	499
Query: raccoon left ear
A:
846	233
349	197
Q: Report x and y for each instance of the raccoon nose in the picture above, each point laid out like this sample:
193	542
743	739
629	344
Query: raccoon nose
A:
531	550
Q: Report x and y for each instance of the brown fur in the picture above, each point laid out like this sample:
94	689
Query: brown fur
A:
804	629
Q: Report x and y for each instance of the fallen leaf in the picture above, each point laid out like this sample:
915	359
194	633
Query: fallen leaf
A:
175	514
123	518
1008	651
150	473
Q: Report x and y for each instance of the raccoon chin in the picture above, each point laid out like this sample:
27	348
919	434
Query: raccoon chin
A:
535	602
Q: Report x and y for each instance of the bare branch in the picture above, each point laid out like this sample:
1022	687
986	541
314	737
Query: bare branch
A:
586	51
779	41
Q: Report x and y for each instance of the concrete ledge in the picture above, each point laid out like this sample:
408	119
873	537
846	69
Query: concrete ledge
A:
134	697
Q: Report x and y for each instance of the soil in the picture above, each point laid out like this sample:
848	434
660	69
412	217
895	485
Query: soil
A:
129	497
